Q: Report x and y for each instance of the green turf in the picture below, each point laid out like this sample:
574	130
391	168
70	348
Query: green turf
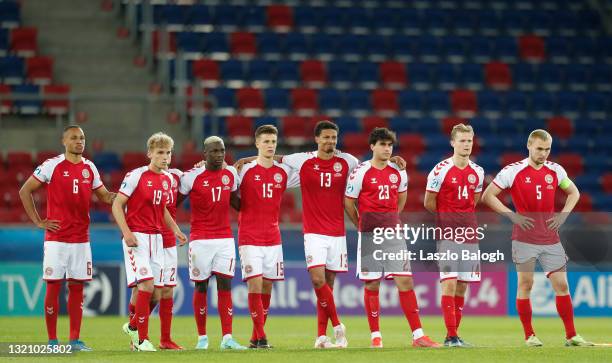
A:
497	339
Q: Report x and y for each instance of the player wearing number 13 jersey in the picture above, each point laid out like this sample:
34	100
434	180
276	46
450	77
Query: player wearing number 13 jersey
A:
453	190
533	183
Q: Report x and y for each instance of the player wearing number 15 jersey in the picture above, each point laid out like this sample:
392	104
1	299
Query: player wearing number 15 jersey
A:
453	190
262	184
375	194
70	180
533	183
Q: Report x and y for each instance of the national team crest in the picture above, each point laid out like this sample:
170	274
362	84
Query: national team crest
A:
548	178
165	185
472	178
248	269
278	177
85	173
143	271
195	272
225	180
309	259
393	178
337	167
49	271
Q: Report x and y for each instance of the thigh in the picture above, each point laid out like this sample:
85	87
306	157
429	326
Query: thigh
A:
201	254
157	259
170	266
55	260
315	250
137	260
224	261
251	261
553	258
365	272
337	257
469	269
273	264
79	267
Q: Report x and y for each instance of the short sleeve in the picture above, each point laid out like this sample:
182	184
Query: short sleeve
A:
236	178
503	180
434	181
352	161
44	171
186	182
293	176
130	182
353	185
296	160
403	181
480	174
97	181
561	174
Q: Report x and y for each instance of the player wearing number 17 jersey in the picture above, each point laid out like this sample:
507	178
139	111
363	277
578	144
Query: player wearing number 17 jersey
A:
533	183
453	190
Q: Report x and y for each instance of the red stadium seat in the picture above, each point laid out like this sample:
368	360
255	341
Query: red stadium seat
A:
511	157
498	75
7	105
207	72
23	41
243	44
606	182
189	159
170	46
449	122
304	101
133	159
116	178
313	73
56	106
531	48
250	101
411	143
288	201
39	70
15	159
585	203
463	103
384	102
414	200
355	143
10	197
240	129
393	75
560	126
417	181
370	122
572	162
279	17
42	156
296	129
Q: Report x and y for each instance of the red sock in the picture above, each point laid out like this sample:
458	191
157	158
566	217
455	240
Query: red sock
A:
566	312
199	311
257	314
75	309
152	305
372	307
131	311
325	298
142	314
52	307
265	303
165	318
450	320
321	321
523	307
410	307
225	311
459	301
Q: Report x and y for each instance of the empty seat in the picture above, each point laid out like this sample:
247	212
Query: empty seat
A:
12	70
296	130
57	103
498	76
133	159
243	44
572	162
24	41
287	73
412	143
6	105
233	73
207	72
532	48
313	73
16	159
279	17
240	129
39	70
277	101
304	101
107	161
560	126
369	123
449	122
464	103
250	101
331	101
393	74
384	102
27	106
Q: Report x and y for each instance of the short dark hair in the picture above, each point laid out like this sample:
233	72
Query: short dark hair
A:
266	129
72	126
325	125
381	134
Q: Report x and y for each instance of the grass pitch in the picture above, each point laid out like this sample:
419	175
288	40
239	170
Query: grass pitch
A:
495	339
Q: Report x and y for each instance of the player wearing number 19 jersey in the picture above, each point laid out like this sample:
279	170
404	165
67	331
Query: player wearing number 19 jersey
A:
453	190
533	183
70	180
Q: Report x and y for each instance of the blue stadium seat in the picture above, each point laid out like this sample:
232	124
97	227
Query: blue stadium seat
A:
305	18
27	107
266	120
550	76
488	22
488	161
568	103
383	20
482	126
596	104
340	73
269	45
277	99
348	46
232	72
490	103
216	45
225	97
438	143
463	23
585	50
577	77
446	75
513	23
409	22
426	125
402	47
588	126
190	42
429	159
4	41
323	46
516	103
259	73
201	18
420	76
107	161
374	47
438	102
98	216
254	18
506	49
411	103
436	21
174	17
330	17
575	144
366	74
471	76
12	70
543	104
357	100
10	14
455	49
287	73
481	49
601	76
541	23
524	76
348	124
357	20
557	49
400	124
330	101
296	46
429	49
214	126
227	17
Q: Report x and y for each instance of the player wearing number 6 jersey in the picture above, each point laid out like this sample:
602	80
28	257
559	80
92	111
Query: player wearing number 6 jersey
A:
70	180
533	183
453	190
212	249
375	194
140	212
262	184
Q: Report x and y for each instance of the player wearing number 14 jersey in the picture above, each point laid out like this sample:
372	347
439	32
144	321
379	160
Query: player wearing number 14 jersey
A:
533	183
453	190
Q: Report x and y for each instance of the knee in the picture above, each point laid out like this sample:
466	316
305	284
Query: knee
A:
405	284
525	285
318	281
561	288
224	284
167	292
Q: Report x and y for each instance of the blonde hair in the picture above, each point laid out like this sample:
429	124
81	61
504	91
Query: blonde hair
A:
539	134
159	140
213	139
460	128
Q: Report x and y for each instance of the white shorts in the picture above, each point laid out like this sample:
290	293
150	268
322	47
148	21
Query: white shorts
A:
72	260
462	270
377	275
328	251
551	257
146	261
170	266
211	256
266	261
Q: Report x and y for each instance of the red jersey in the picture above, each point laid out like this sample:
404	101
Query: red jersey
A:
210	191
148	194
533	194
455	190
167	234
322	183
261	192
69	188
377	192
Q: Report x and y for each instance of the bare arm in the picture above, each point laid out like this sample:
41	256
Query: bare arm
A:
174	227
477	198
401	163
490	198
25	194
235	201
430	202
104	195
573	196
350	207
119	215
401	201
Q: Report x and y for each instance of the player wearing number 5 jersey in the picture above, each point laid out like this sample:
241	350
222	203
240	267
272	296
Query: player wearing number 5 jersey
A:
453	190
375	194
211	189
70	180
262	184
533	183
140	212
